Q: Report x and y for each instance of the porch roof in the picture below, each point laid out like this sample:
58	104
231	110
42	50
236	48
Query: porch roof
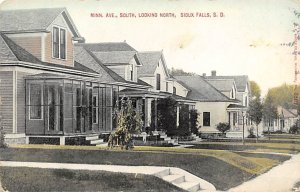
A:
152	94
236	107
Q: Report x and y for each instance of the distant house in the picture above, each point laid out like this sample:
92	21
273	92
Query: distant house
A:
51	90
285	120
235	87
211	103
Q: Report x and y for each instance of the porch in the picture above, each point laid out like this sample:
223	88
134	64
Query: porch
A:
238	121
61	108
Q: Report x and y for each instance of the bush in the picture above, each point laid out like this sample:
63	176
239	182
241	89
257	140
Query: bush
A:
251	133
295	129
2	136
223	127
194	121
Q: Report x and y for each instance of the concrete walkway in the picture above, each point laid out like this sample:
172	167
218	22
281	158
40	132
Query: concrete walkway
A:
279	179
173	175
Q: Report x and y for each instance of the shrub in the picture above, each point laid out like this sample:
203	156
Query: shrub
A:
223	127
251	133
295	129
128	122
2	137
194	121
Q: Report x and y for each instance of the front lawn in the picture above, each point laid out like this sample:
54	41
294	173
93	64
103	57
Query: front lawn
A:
224	169
35	179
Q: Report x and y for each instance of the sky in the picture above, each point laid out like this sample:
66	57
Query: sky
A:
247	40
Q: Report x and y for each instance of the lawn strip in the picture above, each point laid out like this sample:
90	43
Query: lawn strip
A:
36	179
220	173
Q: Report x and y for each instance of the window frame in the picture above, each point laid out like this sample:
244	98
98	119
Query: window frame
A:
204	119
60	29
29	102
158	82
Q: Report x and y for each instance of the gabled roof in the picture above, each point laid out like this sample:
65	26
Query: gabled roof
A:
84	56
201	90
33	20
13	52
286	113
115	57
107	47
241	81
223	85
150	60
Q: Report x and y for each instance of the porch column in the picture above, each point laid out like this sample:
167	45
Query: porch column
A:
155	111
177	115
147	112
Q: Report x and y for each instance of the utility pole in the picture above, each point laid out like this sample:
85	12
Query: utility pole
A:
296	72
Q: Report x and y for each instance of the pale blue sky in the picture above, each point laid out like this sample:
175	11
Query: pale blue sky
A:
245	42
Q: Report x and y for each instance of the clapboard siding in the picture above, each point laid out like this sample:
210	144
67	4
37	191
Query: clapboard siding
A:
21	101
30	44
48	51
6	94
120	70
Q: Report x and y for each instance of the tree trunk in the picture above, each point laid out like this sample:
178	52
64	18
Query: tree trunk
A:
256	133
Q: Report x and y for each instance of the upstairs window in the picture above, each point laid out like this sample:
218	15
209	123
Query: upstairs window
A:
157	81
59	43
174	90
206	118
167	86
131	72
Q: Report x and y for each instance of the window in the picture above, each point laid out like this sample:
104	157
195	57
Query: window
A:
62	43
55	42
246	101
95	109
206	118
59	43
174	90
35	101
167	86
157	81
131	72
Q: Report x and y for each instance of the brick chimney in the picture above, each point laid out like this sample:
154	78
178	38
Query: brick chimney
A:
213	73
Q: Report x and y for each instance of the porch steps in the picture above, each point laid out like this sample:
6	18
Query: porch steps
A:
165	137
196	137
94	140
184	180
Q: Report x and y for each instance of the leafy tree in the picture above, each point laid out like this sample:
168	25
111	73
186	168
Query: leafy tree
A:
183	128
269	111
255	89
194	121
166	115
128	122
223	127
174	72
295	129
255	112
283	95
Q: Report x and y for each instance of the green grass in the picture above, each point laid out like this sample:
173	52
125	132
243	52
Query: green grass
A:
35	179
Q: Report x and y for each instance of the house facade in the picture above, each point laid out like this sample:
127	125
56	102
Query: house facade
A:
285	120
51	90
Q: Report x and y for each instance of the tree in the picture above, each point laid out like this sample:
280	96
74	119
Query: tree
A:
194	121
166	115
255	112
255	89
269	112
128	122
179	72
183	127
223	127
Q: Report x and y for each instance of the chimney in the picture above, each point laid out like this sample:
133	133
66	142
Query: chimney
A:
213	73
204	74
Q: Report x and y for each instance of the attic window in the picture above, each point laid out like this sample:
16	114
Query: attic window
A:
59	43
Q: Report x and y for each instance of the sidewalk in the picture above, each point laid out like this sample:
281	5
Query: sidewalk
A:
279	179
